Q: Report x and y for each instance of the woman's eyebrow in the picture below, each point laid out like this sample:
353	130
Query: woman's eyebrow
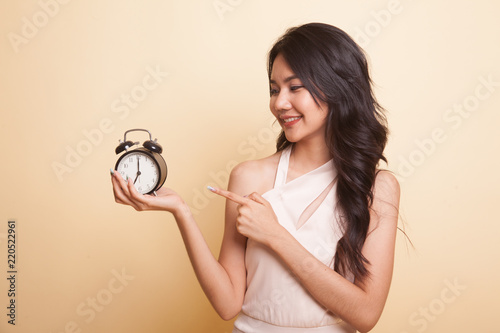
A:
288	79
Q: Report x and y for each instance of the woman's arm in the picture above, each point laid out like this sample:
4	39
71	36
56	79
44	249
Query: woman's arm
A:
360	304
223	280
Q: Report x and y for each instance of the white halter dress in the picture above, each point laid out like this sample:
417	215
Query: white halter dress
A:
275	302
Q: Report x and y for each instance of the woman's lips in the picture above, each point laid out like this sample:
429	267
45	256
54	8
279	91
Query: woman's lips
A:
289	121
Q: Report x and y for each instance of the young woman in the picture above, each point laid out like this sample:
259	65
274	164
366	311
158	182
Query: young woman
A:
310	231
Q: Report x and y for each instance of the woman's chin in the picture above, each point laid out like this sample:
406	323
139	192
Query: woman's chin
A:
291	138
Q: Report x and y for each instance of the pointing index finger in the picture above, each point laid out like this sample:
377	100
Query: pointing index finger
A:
229	195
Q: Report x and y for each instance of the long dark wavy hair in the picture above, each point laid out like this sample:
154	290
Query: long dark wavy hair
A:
334	69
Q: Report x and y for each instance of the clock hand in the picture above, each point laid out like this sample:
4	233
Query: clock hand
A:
138	171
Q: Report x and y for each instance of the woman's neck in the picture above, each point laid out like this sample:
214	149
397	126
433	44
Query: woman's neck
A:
306	157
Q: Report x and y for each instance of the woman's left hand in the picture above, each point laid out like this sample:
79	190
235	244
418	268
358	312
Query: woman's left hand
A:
256	219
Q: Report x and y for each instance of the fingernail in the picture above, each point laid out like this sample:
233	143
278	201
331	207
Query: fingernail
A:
112	171
210	188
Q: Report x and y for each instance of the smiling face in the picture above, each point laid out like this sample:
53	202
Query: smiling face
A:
300	117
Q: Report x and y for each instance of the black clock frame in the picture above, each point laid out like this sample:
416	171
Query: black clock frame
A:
162	167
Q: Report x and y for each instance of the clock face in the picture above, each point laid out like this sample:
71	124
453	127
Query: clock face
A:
141	168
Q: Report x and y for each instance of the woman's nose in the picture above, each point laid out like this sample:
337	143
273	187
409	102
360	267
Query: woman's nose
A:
282	101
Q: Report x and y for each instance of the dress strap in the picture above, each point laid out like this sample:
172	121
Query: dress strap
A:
282	170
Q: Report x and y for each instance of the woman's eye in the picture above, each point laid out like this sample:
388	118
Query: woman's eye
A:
294	88
273	92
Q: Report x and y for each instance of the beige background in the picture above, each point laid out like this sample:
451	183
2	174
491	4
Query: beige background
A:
66	70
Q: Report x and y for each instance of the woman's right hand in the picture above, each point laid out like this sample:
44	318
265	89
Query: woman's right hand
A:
126	194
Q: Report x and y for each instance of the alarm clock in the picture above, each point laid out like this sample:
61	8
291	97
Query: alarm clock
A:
144	165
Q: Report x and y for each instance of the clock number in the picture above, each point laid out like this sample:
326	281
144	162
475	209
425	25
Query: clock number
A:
125	165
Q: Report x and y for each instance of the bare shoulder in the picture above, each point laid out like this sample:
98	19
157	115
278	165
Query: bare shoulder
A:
254	175
386	185
386	193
